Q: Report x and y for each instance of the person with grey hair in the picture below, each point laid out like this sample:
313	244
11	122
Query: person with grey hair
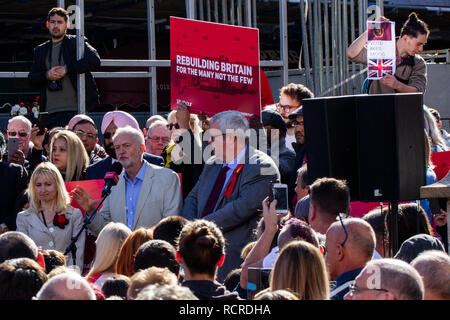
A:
232	185
158	137
434	267
387	279
66	286
144	194
165	292
153	119
348	247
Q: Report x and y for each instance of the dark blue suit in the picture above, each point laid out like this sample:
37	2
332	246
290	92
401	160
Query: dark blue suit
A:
100	168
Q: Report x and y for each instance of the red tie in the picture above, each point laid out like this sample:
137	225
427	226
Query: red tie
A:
215	193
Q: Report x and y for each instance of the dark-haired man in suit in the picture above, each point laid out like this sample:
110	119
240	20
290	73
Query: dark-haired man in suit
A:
232	185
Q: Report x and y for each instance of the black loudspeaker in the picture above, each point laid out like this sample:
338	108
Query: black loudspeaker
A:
375	142
330	126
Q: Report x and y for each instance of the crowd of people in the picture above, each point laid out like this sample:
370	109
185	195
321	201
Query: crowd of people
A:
190	214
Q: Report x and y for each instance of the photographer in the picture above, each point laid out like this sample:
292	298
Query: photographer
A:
55	68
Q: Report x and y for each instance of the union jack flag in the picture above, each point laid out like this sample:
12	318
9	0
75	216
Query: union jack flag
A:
379	68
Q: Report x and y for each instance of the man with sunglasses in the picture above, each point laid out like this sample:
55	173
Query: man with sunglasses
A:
111	122
30	151
86	130
349	245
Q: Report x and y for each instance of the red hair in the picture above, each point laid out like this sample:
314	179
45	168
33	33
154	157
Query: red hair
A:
125	260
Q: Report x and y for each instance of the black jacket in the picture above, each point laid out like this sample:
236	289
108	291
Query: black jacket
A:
13	183
210	290
90	62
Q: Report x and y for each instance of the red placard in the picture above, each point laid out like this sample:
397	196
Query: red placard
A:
214	67
441	161
93	187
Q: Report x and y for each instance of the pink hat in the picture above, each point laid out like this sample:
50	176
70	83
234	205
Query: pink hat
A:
120	118
78	118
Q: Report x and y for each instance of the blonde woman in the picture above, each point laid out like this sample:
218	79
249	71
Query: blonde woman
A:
50	220
108	245
300	267
68	154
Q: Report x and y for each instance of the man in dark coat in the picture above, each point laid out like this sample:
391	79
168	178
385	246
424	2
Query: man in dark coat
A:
55	68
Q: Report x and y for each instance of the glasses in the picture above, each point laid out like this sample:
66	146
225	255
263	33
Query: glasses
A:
353	289
172	125
285	107
21	134
82	134
345	230
218	135
297	123
162	139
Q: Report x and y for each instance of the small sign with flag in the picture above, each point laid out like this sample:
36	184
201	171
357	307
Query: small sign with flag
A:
381	49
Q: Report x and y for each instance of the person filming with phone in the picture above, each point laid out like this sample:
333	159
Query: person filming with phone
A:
55	68
24	144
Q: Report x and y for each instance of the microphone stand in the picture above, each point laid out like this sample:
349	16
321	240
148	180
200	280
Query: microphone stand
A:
72	248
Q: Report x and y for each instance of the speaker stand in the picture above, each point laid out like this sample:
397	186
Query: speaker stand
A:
393	227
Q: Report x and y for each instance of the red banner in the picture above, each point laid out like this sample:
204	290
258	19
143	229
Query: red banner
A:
214	67
93	187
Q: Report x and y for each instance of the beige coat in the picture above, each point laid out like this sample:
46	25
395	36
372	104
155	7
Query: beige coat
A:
159	197
53	237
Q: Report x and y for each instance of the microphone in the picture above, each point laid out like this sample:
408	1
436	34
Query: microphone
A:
111	178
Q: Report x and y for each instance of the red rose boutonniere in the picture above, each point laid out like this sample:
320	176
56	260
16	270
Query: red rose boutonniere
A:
60	220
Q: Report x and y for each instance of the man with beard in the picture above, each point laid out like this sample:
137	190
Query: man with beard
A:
111	122
145	193
55	68
291	97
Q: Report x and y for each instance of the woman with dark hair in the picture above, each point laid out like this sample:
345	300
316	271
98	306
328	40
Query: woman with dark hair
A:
412	220
201	251
411	71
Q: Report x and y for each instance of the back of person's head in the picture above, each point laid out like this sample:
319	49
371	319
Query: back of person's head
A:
302	172
108	245
296	229
330	196
169	229
156	253
232	279
361	239
412	220
15	244
66	286
60	270
125	260
246	250
297	91
435	114
117	285
300	266
20	279
417	244
434	267
413	26
166	292
53	259
396	276
277	295
201	246
375	218
152	275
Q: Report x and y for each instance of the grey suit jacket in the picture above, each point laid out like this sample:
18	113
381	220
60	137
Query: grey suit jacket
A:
160	197
236	215
53	237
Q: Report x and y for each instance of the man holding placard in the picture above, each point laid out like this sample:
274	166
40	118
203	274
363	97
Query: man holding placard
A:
403	72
